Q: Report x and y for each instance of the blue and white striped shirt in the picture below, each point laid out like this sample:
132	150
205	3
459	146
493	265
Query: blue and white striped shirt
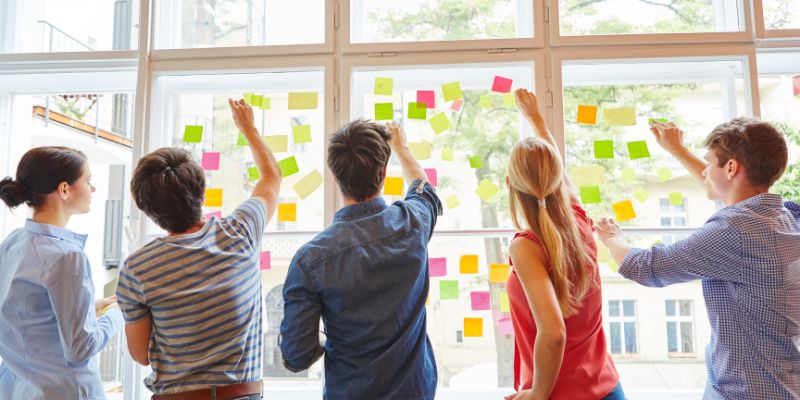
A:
748	257
203	293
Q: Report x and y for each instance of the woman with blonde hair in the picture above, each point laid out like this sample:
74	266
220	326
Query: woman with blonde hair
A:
554	288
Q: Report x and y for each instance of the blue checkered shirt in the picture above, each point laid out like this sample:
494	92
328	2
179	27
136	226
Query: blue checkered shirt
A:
748	257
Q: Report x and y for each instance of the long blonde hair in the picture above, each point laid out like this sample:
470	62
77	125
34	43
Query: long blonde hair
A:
535	173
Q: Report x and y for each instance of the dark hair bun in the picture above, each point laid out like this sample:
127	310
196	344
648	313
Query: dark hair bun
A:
13	193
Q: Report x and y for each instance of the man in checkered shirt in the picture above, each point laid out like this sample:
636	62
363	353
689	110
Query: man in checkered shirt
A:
747	255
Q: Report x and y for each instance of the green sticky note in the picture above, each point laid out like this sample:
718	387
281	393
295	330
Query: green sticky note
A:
301	134
650	121
383	86
452	91
439	122
417	111
676	198
447	154
266	103
625	116
628	175
485	101
384	111
487	190
476	162
241	141
448	290
664	174
603	149
588	175
612	264
509	100
638	150
590	194
304	187
288	166
252	174
452	201
277	143
248	98
193	133
303	101
420	150
641	195
257	100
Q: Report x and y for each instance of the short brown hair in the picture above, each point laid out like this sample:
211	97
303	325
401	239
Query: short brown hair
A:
357	156
757	144
169	186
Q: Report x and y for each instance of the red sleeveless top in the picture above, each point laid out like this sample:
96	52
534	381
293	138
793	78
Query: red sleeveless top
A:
587	371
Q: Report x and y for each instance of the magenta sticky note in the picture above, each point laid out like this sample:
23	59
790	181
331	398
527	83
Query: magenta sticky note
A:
432	178
210	161
505	326
501	85
264	260
217	214
480	301
428	97
437	266
456	106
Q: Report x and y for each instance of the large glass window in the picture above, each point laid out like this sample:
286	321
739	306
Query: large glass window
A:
680	328
622	333
781	14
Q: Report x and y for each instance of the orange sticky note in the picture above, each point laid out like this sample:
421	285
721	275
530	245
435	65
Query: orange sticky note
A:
587	114
393	186
287	212
498	273
473	327
469	264
624	211
213	198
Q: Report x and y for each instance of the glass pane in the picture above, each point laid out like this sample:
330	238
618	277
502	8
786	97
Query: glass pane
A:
666	221
686	308
781	14
687	343
613	308
625	96
211	23
612	17
471	151
670	307
630	338
628	308
68	25
417	20
672	337
615	335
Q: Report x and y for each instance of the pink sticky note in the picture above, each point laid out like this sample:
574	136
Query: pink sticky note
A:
428	97
480	300
217	214
456	106
505	326
264	260
432	178
210	161
437	266
501	85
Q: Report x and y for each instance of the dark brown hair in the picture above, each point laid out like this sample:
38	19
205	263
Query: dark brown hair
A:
357	156
757	144
169	186
39	173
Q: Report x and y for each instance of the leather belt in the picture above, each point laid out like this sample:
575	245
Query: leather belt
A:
215	392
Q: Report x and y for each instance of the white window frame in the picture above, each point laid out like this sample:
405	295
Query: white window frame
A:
677	319
621	319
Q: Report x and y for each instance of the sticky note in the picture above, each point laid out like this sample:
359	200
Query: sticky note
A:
288	166
301	134
638	150
248	98
603	149
628	175
210	160
468	264
437	266
264	260
420	150
447	154
590	194
257	100
393	186
266	103
498	273
480	300
487	190
664	174
485	101
432	176
509	100
448	290
384	86
210	215
428	97
452	201
384	111
676	198
588	175
613	266
439	122
476	162
587	114
501	85
505	305
619	116
651	120
287	212
304	187
641	194
505	326
253	174
277	143
624	211
452	91
417	111
456	106
303	101
473	327
241	141
193	133
213	198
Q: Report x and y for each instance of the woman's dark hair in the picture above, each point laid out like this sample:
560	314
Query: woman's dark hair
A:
39	173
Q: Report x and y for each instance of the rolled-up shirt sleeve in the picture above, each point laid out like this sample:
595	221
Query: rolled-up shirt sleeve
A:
302	308
427	202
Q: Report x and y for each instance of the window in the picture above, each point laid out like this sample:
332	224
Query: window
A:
673	214
781	14
680	327
622	331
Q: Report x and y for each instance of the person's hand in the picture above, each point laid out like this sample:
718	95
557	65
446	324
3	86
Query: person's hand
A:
100	305
668	136
242	115
522	395
607	229
397	139
527	103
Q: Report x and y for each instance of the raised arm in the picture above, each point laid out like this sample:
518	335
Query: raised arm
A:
411	168
670	138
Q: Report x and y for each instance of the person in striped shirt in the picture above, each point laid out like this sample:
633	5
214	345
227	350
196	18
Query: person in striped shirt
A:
192	299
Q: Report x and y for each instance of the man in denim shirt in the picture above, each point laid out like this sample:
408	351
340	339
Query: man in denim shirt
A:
367	277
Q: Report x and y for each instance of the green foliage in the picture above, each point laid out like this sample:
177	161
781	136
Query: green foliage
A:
789	185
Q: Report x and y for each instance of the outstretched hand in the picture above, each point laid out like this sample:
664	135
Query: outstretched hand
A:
397	139
242	115
668	136
527	103
607	229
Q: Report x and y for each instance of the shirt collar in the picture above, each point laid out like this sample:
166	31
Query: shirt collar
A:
360	210
56	232
771	200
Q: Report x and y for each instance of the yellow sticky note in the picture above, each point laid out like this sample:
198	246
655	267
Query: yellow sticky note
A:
485	101
384	86
664	174
277	143
304	187
505	305
625	116
420	150
452	201
487	190
628	175
468	264
393	186
473	327
303	101
447	154
624	211
641	194
587	114
588	176
676	199
498	273
509	100
452	91
301	134
287	212
213	198
440	123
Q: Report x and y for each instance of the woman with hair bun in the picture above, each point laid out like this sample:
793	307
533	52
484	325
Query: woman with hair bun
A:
50	324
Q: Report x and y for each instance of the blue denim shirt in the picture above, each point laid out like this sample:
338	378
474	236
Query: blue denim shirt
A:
367	277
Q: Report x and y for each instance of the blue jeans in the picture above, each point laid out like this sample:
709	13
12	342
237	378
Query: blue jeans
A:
616	394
